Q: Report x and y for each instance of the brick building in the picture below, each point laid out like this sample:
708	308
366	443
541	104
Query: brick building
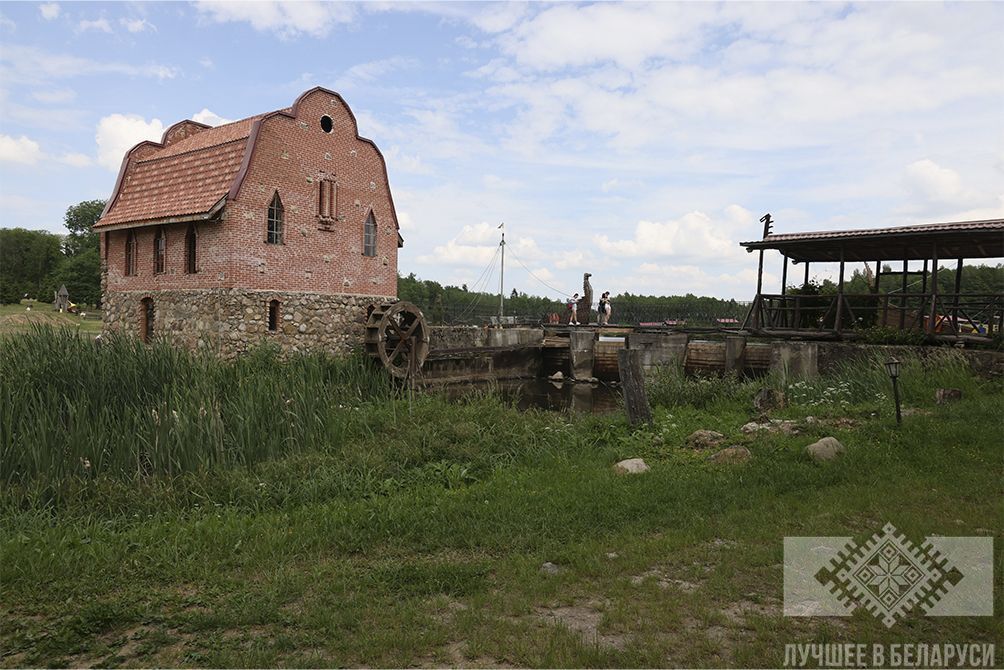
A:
280	226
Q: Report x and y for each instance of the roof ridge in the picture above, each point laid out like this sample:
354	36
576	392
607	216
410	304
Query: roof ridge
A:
155	157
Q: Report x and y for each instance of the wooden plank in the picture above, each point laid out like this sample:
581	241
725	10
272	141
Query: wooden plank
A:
633	386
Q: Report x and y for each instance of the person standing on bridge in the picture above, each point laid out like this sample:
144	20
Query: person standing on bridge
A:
604	309
573	307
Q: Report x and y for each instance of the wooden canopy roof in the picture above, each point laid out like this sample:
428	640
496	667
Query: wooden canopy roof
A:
957	239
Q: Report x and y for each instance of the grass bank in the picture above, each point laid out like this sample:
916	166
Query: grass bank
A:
313	516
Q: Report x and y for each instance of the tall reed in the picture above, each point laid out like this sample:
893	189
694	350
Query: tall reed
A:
72	408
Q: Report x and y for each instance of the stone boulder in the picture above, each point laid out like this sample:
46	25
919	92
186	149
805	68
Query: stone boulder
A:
785	426
767	399
631	466
826	449
731	455
549	568
942	396
704	439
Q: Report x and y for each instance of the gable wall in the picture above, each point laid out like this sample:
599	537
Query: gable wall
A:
292	156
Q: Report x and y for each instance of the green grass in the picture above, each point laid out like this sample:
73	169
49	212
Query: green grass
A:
356	525
19	319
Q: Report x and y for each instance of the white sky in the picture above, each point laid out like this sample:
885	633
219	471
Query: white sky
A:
639	142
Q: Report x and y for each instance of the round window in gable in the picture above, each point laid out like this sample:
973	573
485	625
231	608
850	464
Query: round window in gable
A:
327	124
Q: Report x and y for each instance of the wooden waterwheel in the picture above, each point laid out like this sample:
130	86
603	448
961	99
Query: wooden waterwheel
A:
398	338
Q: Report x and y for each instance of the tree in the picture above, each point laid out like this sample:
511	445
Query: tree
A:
80	269
77	273
27	257
79	222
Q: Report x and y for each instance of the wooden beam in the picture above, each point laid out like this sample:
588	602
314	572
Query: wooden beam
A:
759	275
840	294
933	312
784	275
903	300
955	301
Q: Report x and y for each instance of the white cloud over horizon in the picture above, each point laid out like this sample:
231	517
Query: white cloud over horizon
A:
117	133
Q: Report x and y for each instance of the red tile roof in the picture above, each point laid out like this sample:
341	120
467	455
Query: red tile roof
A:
186	177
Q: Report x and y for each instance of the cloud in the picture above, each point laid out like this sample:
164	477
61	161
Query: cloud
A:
694	235
210	118
479	234
117	133
367	72
677	279
49	10
99	25
207	62
626	34
55	96
29	65
76	160
405	221
454	253
930	181
19	150
7	24
285	19
137	25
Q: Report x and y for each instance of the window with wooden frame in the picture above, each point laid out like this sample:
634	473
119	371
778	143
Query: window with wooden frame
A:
191	250
275	216
130	253
159	251
327	200
369	236
273	315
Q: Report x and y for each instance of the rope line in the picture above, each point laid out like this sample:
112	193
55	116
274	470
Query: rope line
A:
530	272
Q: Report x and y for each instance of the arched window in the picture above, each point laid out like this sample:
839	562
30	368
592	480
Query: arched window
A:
159	251
275	220
191	243
130	253
146	320
369	236
273	315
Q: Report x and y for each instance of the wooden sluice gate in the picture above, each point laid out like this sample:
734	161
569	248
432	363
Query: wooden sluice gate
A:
446	355
582	352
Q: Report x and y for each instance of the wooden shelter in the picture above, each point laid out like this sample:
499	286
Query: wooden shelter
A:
952	316
62	300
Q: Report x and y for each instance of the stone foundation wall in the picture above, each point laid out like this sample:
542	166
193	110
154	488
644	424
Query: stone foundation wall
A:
230	321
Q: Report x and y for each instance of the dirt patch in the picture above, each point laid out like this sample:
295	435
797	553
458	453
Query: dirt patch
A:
446	611
738	611
664	581
584	619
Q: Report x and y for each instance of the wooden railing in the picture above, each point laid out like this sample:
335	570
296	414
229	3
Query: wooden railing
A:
936	314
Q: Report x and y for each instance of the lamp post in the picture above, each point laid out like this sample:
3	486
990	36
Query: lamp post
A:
892	367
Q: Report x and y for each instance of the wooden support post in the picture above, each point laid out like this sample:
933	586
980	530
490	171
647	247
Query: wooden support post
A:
806	280
633	387
933	312
955	301
759	275
878	274
902	300
784	284
837	322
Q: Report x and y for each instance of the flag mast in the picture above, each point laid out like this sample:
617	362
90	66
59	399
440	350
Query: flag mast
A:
502	276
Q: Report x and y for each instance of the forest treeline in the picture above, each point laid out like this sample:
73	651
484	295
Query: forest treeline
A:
36	263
